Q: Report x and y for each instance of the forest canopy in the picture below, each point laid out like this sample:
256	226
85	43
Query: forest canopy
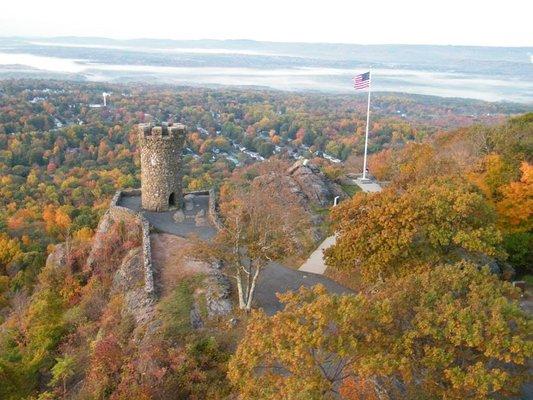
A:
429	256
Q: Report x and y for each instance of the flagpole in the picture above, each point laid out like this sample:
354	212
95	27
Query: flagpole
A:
367	121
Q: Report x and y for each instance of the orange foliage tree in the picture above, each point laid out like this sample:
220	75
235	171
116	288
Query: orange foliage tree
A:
516	206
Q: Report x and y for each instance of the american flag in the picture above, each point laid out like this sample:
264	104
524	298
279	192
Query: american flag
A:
361	81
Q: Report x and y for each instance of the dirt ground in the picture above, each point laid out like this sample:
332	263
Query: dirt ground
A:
169	254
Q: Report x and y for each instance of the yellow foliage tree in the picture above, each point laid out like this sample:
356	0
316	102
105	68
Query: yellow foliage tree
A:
9	251
261	223
453	332
396	231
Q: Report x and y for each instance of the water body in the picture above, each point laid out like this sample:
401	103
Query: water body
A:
503	75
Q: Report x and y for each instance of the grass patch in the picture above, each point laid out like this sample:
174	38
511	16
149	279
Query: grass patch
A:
324	225
528	278
350	190
176	307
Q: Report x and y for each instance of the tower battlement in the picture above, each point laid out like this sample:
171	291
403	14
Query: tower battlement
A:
162	131
160	147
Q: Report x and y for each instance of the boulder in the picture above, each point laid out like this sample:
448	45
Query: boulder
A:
196	319
200	219
179	217
189	202
58	257
306	180
217	294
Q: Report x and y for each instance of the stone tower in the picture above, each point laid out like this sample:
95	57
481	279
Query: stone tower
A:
161	147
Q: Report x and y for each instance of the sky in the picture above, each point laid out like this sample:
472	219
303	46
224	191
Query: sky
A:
456	22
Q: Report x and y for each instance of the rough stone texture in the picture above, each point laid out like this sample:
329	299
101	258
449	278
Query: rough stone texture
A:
212	213
313	189
501	268
196	318
200	219
313	184
129	280
163	221
103	226
179	217
161	148
217	294
57	258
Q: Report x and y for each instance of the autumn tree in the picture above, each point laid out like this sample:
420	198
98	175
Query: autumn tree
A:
57	221
62	371
516	205
417	162
492	173
261	223
397	231
10	252
454	332
516	218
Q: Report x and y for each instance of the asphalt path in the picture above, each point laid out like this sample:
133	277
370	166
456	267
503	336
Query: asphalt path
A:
163	221
276	278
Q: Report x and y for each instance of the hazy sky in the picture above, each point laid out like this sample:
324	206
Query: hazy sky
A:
470	22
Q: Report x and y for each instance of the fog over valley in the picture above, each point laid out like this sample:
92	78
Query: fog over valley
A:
484	73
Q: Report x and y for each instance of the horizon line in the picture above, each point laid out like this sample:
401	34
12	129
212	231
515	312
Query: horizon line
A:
123	39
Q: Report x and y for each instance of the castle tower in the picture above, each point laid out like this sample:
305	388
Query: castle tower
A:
161	147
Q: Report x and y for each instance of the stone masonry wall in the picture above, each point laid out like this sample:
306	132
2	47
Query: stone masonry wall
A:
212	213
119	212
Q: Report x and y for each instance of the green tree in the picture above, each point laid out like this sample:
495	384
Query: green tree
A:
62	371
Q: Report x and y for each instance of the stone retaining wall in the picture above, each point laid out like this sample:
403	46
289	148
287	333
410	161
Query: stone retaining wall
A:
212	212
119	212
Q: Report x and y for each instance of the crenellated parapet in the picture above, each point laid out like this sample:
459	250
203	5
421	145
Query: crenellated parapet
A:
163	131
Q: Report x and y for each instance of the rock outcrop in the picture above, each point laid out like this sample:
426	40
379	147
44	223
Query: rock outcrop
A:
312	187
313	184
129	281
217	294
310	184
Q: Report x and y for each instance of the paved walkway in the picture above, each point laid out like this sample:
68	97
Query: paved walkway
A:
275	278
171	263
367	185
316	263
